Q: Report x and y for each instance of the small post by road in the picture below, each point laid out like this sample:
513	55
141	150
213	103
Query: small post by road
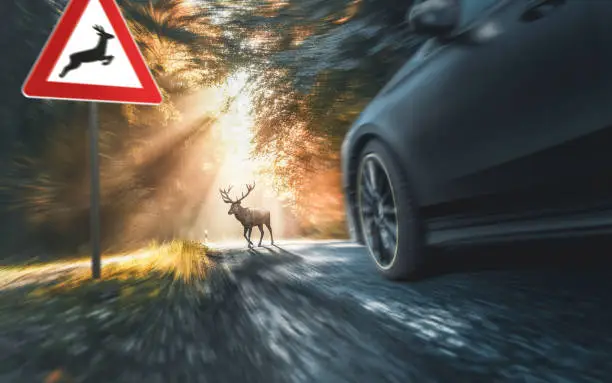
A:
94	215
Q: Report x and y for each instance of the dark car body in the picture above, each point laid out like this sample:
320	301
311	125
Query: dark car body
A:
503	127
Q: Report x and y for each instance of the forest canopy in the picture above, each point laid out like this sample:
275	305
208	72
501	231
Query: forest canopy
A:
312	66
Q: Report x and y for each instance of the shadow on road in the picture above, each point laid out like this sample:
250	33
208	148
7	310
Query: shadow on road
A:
274	316
263	250
263	257
279	250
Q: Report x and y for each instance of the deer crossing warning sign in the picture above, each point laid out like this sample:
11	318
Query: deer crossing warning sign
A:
91	56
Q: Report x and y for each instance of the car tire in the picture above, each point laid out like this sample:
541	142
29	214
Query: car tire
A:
386	206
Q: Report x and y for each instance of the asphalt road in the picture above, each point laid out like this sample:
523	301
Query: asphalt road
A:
318	312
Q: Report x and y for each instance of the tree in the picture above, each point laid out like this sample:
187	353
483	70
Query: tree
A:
45	177
24	121
316	65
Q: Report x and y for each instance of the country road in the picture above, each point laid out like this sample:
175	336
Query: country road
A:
318	312
309	311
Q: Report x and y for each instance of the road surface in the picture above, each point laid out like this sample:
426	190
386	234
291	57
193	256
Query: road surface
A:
318	312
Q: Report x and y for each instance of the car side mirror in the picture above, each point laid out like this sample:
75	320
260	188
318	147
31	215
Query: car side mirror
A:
434	17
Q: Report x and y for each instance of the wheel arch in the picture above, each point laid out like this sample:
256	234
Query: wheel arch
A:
366	134
351	186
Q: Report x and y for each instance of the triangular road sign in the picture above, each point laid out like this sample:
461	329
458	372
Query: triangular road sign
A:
91	56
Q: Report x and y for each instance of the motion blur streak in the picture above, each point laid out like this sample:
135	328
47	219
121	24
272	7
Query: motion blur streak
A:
185	260
13	277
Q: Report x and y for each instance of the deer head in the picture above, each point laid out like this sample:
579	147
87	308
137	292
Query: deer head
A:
235	204
102	33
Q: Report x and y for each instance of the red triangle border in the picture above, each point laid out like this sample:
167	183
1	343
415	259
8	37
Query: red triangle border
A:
37	86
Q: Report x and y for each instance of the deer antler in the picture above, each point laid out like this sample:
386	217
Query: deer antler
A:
98	28
249	189
225	194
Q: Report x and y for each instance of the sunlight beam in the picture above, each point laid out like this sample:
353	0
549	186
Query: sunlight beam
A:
235	135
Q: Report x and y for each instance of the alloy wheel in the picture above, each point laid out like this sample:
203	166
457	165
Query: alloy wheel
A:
378	210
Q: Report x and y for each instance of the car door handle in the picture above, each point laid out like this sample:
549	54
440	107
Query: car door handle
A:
538	9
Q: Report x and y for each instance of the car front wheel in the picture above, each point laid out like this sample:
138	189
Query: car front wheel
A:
388	215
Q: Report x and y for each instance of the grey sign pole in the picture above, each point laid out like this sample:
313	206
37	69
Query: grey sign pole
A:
95	191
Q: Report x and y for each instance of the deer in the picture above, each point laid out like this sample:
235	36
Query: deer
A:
248	217
96	54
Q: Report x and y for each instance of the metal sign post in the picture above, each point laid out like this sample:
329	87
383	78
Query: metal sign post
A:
94	215
49	79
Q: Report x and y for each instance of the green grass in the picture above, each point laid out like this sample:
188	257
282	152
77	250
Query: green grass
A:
101	330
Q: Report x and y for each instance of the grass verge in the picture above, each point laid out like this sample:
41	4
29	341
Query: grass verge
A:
123	327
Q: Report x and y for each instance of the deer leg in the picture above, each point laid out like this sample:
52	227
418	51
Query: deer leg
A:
72	65
107	60
262	234
270	230
246	229
250	231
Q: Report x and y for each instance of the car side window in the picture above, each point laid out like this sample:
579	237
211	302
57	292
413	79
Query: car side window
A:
472	9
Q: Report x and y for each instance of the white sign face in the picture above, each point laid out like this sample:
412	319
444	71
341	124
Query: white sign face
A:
114	70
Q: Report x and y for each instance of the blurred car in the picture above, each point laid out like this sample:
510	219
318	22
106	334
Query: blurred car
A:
497	129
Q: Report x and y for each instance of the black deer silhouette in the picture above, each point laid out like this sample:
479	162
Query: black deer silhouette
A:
96	54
